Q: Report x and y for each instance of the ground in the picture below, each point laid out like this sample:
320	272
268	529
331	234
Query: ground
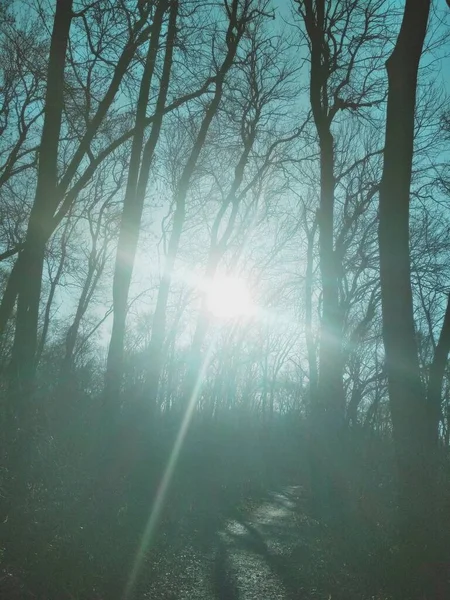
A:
268	549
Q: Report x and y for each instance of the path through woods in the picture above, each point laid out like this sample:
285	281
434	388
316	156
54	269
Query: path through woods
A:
268	550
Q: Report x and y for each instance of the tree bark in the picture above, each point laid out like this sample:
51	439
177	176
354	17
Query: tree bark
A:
330	390
310	342
32	257
410	413
436	376
10	295
328	411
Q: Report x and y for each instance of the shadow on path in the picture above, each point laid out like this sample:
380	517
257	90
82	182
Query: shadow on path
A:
269	549
257	554
224	584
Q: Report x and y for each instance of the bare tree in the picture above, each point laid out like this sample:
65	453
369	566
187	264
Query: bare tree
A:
266	85
101	217
337	36
140	162
55	275
32	257
22	96
415	414
44	219
239	16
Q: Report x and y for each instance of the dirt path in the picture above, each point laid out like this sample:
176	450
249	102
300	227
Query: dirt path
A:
252	561
266	549
258	554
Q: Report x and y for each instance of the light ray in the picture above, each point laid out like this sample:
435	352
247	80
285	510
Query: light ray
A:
167	477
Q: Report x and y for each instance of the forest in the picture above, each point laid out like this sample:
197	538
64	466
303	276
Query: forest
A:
225	299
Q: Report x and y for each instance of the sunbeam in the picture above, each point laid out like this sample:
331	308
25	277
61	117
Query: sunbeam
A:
167	477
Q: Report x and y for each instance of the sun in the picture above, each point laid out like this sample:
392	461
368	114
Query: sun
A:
228	297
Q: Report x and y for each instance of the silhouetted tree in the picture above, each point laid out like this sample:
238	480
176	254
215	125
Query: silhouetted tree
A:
32	256
337	36
415	412
139	169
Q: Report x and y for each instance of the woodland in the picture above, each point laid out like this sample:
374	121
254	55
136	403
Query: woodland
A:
224	299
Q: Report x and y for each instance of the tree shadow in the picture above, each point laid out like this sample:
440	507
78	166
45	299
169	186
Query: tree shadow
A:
284	565
224	584
308	558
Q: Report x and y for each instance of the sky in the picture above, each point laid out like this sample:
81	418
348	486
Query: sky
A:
439	58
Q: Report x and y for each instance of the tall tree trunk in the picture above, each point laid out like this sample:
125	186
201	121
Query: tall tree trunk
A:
330	391
328	412
201	330
27	274
138	175
410	413
155	349
436	376
310	342
68	228
32	258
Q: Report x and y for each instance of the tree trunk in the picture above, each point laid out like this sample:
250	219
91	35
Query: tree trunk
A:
135	194
409	410
328	412
53	286
216	251
10	294
48	306
25	281
310	342
436	376
32	259
331	392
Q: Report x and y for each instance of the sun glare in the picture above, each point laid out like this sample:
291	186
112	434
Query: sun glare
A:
228	297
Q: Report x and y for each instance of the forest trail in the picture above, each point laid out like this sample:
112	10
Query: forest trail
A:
251	561
267	550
